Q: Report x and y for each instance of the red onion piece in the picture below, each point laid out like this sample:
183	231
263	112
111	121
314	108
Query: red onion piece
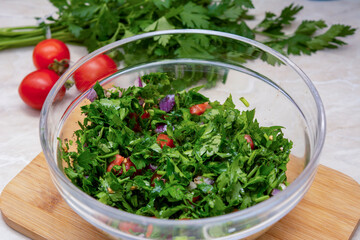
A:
275	191
92	95
152	167
141	101
161	127
167	103
140	82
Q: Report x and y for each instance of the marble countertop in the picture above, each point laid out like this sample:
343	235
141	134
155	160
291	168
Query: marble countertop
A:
335	73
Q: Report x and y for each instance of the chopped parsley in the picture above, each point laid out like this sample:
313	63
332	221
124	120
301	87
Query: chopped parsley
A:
154	151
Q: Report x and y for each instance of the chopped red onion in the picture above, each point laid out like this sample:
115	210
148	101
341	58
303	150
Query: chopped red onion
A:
140	82
161	127
281	187
201	179
275	191
152	167
141	101
91	95
167	103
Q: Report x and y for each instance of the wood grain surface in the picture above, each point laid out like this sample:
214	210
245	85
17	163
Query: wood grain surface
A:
31	205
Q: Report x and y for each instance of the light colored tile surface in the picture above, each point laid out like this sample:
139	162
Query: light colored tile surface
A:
335	73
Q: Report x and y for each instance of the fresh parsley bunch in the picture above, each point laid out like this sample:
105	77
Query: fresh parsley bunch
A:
96	23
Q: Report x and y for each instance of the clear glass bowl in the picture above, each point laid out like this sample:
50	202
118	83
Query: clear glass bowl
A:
281	93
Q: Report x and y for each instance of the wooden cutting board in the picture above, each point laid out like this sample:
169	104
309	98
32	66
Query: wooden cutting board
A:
31	205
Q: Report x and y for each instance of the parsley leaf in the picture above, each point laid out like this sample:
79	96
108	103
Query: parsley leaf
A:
274	24
194	16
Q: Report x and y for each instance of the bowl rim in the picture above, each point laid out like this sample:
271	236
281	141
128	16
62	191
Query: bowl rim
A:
250	212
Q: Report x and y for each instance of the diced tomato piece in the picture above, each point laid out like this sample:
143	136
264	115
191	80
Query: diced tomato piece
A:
149	231
156	177
195	199
199	109
128	164
133	115
249	140
131	228
145	115
119	160
136	127
163	140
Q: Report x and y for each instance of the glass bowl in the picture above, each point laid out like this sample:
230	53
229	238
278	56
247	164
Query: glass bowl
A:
279	91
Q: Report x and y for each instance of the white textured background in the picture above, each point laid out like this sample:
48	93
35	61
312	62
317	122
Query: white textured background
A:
335	73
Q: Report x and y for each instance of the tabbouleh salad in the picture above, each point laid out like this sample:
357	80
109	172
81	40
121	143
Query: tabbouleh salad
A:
154	151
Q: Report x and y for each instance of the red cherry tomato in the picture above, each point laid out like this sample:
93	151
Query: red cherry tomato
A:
249	140
163	140
199	109
46	51
156	177
35	87
94	70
